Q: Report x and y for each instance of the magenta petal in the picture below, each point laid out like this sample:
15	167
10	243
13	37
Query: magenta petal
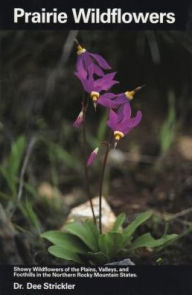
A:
101	61
88	85
136	120
109	95
109	76
108	85
106	100
98	71
80	67
84	82
108	103
90	65
124	112
92	156
111	100
122	121
105	82
126	126
112	122
78	75
90	70
90	81
87	59
121	99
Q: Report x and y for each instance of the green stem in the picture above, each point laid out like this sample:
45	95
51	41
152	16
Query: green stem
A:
86	172
101	184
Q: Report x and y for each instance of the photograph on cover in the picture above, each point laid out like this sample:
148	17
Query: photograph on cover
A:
95	147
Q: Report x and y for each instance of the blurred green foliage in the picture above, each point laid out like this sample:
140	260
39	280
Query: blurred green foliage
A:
31	216
10	169
169	127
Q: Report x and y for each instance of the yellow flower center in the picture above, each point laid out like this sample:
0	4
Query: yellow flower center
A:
118	135
94	96
80	50
130	94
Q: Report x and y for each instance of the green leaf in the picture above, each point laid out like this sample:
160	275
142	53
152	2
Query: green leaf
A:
146	240
85	232
92	227
63	253
32	190
119	222
110	243
65	240
97	257
28	211
131	228
11	168
169	127
17	150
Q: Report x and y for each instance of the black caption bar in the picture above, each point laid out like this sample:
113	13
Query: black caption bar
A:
121	14
158	280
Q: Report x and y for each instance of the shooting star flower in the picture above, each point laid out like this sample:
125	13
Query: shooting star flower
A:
95	86
113	101
121	122
86	58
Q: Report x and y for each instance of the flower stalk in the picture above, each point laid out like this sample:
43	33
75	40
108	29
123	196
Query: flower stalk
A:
96	78
101	183
84	146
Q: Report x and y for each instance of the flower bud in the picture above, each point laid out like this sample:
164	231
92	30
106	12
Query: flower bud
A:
79	120
92	156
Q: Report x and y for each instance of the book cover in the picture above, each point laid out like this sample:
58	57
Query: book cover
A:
95	147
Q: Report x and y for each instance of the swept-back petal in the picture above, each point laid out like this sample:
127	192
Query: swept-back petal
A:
98	71
112	122
124	112
80	68
127	126
120	99
87	60
106	99
90	82
101	61
105	82
135	120
85	82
